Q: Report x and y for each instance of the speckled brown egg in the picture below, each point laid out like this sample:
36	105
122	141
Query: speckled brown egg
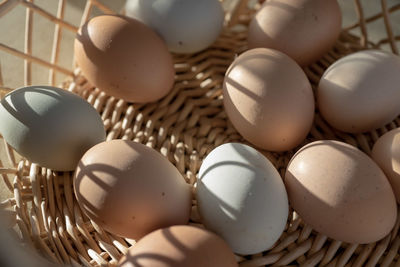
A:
124	58
130	189
302	29
386	152
268	99
179	246
341	192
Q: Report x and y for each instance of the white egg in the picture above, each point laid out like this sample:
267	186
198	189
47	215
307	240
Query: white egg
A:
187	26
50	126
241	197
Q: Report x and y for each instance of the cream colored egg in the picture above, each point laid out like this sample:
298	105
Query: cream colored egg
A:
360	92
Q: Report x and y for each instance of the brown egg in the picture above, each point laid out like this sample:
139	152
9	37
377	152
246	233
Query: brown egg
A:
302	29
124	58
130	189
268	99
386	152
360	92
179	246
341	192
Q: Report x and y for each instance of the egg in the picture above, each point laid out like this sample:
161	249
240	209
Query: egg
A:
386	153
359	92
179	246
130	189
187	26
341	192
124	58
302	29
268	99
50	126
241	197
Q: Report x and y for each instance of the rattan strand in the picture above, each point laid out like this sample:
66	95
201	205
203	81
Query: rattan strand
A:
184	126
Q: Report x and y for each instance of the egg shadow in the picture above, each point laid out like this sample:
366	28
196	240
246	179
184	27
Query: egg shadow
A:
89	172
223	207
19	107
257	30
91	51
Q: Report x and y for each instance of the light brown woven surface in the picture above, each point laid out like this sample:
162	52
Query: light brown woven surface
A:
184	126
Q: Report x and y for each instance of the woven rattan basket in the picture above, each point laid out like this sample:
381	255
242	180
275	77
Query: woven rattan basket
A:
184	126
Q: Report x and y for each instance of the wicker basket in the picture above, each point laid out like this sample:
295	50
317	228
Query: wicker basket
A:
184	126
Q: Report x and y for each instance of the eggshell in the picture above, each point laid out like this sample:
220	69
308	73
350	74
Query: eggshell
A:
130	189
341	192
124	58
187	26
179	246
241	197
359	92
302	29
268	99
50	126
386	153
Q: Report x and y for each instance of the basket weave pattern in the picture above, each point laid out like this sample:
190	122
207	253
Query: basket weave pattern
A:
184	126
